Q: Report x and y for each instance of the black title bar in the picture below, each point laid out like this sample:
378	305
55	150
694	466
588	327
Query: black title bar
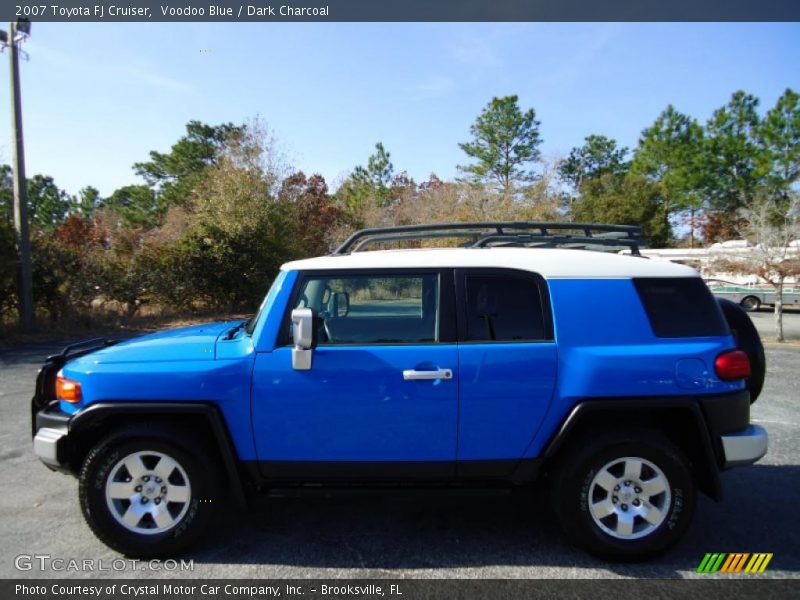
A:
740	588
401	10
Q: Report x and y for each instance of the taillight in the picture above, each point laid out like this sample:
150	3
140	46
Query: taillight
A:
67	389
732	365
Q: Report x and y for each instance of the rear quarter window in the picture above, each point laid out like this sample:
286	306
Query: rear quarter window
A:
503	307
680	307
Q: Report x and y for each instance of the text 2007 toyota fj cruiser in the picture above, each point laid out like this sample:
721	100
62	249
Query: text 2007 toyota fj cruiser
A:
523	353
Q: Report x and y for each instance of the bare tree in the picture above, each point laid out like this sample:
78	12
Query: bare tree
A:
776	255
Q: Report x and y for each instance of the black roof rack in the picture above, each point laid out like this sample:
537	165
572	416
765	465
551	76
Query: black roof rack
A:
589	236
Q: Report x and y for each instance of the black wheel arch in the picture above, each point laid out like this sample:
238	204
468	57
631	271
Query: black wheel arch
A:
92	423
680	419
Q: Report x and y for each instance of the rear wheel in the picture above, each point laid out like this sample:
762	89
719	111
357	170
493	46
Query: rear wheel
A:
627	497
148	492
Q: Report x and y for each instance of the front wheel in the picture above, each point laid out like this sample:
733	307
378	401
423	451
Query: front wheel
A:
148	492
626	497
750	303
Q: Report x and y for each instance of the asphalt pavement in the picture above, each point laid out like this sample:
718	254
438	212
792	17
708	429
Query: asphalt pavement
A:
764	318
436	534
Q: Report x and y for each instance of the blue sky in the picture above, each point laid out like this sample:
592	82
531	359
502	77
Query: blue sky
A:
99	97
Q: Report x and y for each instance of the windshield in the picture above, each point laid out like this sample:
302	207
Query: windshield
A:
276	285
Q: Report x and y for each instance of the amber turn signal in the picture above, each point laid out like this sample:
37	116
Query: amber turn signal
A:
68	390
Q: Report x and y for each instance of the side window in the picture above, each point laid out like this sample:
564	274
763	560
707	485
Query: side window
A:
503	308
374	309
680	307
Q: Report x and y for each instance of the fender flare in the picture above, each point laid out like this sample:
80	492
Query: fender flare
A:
584	411
99	411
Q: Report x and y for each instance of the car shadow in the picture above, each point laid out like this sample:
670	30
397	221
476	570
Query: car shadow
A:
387	530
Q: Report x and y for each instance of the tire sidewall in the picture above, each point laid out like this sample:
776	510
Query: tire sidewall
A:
575	499
750	304
92	493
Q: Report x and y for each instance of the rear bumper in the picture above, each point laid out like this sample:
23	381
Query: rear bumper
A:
744	447
735	440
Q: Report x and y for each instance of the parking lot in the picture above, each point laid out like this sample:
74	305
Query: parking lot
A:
410	534
765	321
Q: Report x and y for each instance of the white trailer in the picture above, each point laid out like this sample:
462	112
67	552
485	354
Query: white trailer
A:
752	297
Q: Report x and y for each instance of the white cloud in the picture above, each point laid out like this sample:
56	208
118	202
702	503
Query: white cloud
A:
136	74
434	87
151	78
585	50
474	51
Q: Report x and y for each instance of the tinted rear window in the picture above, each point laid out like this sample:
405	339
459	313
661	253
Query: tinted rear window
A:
681	307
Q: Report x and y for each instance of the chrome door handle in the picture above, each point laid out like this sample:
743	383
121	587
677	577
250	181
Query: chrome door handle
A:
414	375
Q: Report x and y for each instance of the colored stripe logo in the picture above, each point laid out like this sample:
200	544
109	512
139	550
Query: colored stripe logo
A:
735	562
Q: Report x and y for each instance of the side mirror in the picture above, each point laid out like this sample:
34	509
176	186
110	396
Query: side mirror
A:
304	336
339	305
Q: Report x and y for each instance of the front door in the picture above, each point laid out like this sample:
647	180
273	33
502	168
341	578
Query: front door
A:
381	398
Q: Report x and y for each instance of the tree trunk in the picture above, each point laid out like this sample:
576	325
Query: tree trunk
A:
779	311
131	308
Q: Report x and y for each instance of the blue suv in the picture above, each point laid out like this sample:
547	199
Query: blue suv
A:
522	354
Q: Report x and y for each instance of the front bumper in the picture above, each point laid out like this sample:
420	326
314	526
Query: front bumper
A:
51	438
744	447
49	445
49	425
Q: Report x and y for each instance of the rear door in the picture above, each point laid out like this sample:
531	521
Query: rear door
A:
507	366
381	398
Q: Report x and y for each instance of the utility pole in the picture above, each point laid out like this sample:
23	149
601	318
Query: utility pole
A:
16	34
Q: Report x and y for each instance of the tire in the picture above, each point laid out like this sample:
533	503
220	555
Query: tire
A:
171	507
580	498
748	341
750	303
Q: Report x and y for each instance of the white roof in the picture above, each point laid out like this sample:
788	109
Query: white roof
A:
551	263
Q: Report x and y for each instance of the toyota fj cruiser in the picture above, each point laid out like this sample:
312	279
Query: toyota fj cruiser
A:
522	354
